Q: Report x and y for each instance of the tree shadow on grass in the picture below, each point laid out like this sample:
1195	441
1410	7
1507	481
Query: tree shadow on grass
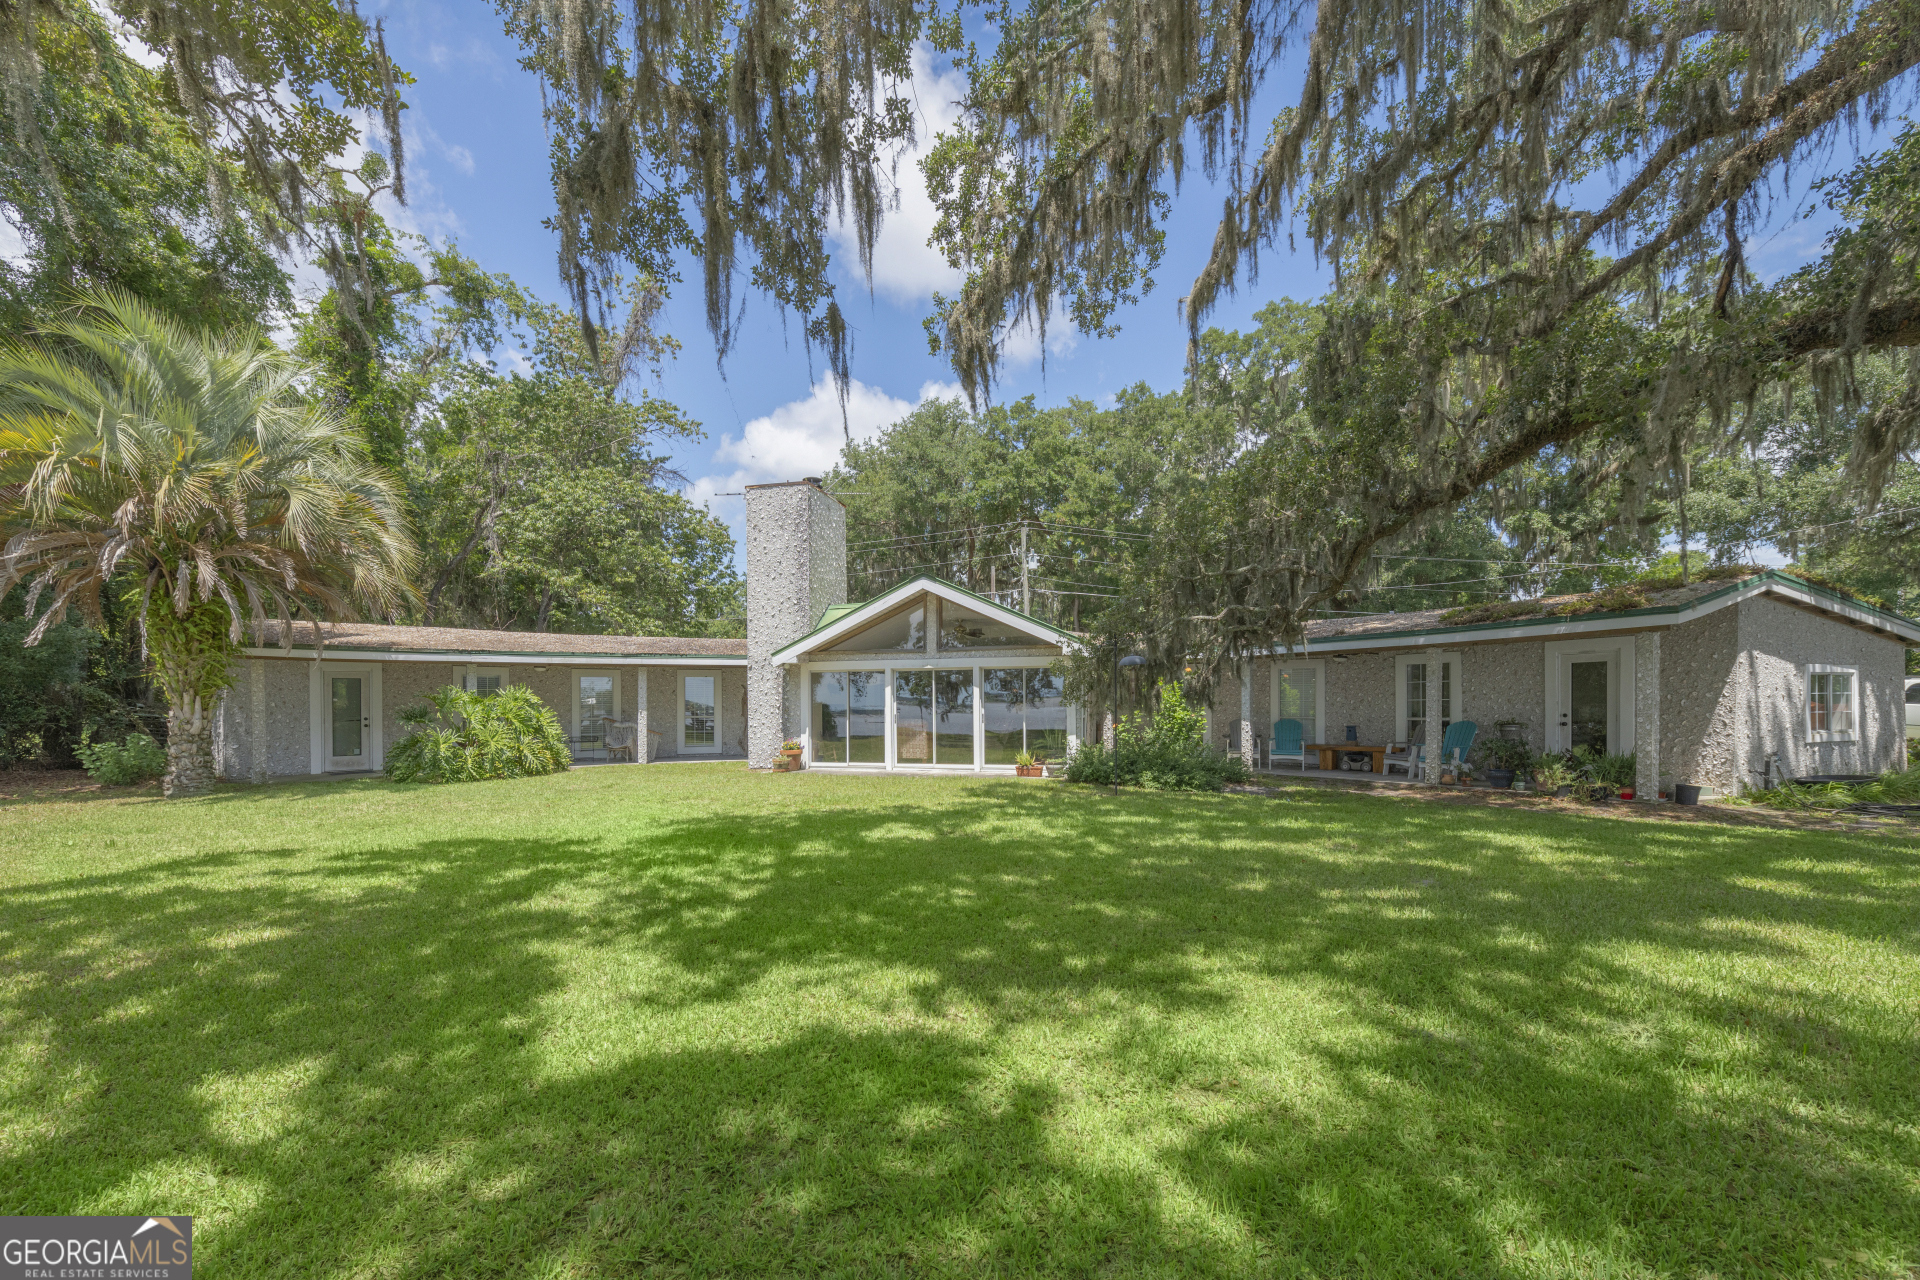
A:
1014	1030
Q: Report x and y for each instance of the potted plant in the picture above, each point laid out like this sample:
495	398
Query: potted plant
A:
790	752
1614	775
1506	758
1552	775
1028	765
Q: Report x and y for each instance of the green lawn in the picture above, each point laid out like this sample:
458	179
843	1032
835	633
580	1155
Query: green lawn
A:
687	1020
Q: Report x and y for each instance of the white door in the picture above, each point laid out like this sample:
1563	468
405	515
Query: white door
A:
1590	697
700	715
349	719
596	699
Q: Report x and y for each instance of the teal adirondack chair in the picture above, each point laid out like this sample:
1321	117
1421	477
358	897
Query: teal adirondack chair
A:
1458	742
1287	744
1455	745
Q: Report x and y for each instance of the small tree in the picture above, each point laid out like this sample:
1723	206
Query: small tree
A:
187	467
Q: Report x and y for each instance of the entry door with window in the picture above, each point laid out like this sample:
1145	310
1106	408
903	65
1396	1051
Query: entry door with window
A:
700	715
349	737
596	698
1590	699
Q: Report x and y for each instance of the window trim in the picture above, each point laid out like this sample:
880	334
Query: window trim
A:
474	672
1403	713
1807	673
1319	666
680	714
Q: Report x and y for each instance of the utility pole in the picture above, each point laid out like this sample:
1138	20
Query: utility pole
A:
1026	596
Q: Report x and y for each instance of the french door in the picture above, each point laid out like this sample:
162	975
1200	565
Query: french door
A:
700	715
346	718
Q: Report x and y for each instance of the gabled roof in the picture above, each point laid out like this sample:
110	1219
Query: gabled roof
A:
1567	615
460	644
841	621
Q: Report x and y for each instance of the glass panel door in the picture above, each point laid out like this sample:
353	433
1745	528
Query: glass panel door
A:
1025	709
593	699
829	727
1587	685
867	717
699	715
953	710
347	735
913	717
1300	700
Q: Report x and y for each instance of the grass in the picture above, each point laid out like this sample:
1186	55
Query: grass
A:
687	1021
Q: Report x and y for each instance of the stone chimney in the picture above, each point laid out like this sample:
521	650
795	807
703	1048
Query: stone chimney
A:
796	571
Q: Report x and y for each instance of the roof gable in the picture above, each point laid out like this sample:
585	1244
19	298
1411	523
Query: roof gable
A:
843	622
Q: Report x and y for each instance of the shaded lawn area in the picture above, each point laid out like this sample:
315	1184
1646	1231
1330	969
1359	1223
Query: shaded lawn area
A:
688	1020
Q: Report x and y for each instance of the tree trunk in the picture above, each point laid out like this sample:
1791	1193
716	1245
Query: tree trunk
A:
190	767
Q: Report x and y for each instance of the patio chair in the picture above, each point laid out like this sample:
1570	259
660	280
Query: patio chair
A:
619	736
1404	756
1287	744
1457	742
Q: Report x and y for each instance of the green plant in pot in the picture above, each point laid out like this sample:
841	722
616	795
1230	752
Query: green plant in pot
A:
1553	775
1505	758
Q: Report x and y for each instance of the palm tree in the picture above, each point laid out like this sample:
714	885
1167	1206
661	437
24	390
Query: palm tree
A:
188	470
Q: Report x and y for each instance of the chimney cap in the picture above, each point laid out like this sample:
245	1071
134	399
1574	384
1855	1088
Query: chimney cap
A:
812	480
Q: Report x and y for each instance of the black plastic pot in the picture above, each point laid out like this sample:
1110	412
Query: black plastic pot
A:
1685	793
1500	779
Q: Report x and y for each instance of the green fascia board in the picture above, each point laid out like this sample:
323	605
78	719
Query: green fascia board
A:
1653	611
532	657
830	617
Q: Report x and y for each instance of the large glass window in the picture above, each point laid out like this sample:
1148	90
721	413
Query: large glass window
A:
964	628
953	717
913	717
904	632
1299	699
594	700
1417	698
1830	702
849	717
699	714
1025	710
867	717
348	718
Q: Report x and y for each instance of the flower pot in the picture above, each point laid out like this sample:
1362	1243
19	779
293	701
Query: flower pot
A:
1030	770
1685	793
1500	779
1627	794
788	761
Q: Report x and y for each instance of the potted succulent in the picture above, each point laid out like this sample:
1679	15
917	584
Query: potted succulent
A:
790	752
1028	765
1552	775
1506	758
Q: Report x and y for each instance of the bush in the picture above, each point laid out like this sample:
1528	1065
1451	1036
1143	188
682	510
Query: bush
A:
1506	753
469	737
1167	753
1601	769
121	764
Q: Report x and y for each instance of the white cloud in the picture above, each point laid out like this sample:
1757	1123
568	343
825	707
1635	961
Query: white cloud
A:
906	268
801	438
13	245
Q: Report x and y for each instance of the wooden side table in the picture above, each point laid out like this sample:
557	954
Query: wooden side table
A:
1330	752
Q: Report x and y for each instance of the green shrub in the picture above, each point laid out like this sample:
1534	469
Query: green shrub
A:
1893	787
1603	770
468	737
1552	772
1506	753
1170	752
121	764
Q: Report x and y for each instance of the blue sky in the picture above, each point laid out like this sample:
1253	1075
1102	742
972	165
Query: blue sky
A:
478	172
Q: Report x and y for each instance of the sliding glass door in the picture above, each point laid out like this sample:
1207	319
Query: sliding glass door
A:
935	717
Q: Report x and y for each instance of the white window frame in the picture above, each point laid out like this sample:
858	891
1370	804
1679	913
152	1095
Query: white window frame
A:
1319	666
473	673
1402	713
1813	669
573	689
946	663
719	715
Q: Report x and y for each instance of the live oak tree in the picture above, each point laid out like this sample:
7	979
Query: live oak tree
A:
188	469
1535	215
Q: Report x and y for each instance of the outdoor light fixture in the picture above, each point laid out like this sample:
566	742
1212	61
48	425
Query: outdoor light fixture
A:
1131	660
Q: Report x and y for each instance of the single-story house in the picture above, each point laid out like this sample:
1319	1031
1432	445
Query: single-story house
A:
1705	683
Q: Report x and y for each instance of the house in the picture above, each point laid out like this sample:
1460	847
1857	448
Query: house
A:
1705	683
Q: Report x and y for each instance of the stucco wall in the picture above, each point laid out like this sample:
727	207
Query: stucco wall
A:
1778	641
1506	681
1360	693
1699	704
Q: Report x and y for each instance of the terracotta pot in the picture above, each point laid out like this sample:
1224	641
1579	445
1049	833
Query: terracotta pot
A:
1030	770
788	761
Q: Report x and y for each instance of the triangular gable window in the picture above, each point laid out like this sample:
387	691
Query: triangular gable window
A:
964	628
902	632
